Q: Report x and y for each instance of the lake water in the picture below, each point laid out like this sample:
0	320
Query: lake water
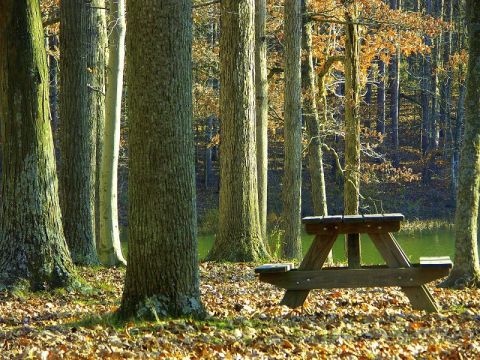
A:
420	243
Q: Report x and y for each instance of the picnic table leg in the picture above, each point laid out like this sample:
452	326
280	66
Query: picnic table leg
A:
314	259
419	296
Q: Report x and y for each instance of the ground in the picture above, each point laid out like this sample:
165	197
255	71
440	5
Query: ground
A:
245	321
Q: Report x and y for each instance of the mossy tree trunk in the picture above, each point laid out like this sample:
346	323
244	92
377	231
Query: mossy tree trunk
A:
78	132
466	270
239	237
261	88
292	177
162	273
109	249
31	235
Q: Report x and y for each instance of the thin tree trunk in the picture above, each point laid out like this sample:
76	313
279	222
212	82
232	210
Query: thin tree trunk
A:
425	91
31	235
162	274
395	93
261	87
446	84
110	249
351	196
239	237
435	85
78	134
381	98
96	50
292	178
466	270
312	121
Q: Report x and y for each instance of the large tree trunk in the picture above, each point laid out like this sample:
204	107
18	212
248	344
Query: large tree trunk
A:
78	133
31	235
239	237
261	88
312	121
351	195
109	249
292	177
466	271
162	273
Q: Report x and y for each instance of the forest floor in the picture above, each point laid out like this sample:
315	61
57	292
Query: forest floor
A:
245	321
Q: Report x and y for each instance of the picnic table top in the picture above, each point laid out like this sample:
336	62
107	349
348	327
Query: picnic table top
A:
351	219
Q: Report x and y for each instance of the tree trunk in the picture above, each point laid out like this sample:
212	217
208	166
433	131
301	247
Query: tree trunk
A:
292	177
457	137
435	86
381	98
97	46
110	249
207	172
78	133
351	193
53	79
31	235
466	271
162	273
261	88
395	93
425	91
239	237
446	84
312	122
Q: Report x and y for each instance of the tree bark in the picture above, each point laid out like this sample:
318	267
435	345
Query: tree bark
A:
239	237
261	88
466	270
312	121
381	98
292	177
162	274
351	195
78	133
31	235
395	93
109	249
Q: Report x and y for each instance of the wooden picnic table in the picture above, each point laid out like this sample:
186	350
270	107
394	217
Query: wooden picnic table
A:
398	270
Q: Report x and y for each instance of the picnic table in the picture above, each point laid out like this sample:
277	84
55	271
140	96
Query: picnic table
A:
398	270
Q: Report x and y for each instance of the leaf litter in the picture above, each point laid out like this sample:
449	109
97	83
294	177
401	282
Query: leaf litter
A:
245	321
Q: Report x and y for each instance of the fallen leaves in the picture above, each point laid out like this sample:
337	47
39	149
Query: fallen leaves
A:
245	322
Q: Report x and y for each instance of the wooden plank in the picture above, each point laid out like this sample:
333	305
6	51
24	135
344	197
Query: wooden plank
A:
273	268
351	219
435	261
331	219
338	219
313	260
353	278
419	296
353	228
